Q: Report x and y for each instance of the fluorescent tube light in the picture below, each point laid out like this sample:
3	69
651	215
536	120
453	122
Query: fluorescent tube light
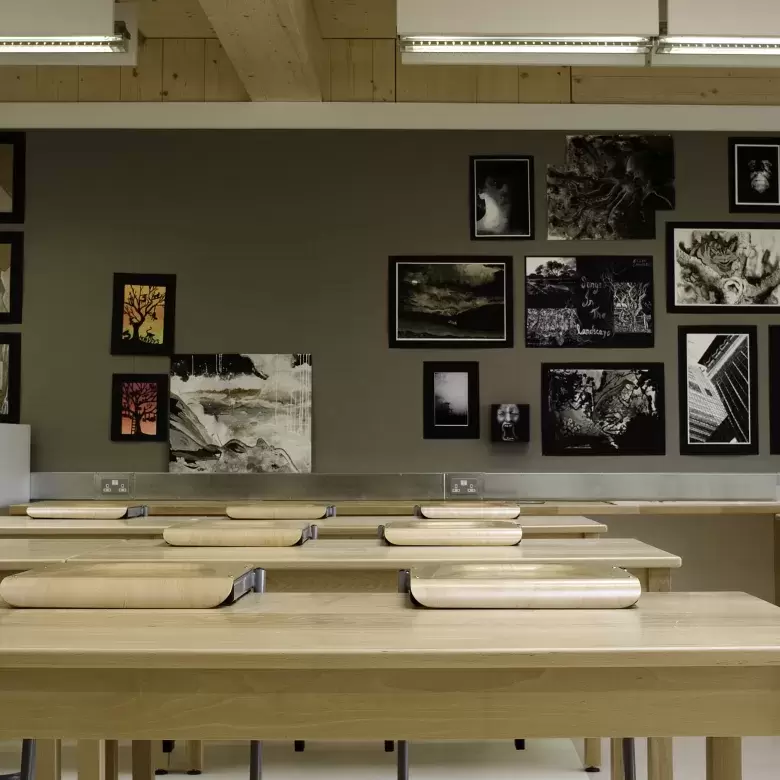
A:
719	45
67	44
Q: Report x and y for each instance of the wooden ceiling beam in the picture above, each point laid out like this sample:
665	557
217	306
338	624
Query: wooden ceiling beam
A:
274	45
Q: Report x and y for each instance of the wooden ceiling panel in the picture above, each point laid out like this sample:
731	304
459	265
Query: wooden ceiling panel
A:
356	18
173	19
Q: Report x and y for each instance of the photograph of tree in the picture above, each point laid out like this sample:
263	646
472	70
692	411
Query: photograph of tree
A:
10	377
144	310
509	423
502	197
589	301
239	414
139	407
596	409
450	302
11	268
723	267
610	187
754	175
451	400
12	173
719	401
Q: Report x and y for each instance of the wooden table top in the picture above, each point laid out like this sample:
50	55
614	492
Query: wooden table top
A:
334	554
533	525
18	526
18	554
375	631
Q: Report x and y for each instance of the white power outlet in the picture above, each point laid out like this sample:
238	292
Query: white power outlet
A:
115	486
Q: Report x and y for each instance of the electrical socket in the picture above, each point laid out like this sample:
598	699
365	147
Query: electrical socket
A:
464	486
115	486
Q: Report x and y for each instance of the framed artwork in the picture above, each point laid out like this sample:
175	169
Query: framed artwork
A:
774	388
139	407
603	409
240	414
589	302
11	277
723	267
502	197
451	302
12	173
610	187
719	400
10	377
144	313
754	175
451	400
510	423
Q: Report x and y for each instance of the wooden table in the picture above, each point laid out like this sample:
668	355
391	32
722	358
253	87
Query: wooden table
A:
371	667
22	554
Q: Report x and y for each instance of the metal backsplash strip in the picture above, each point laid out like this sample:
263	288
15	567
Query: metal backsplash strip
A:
343	487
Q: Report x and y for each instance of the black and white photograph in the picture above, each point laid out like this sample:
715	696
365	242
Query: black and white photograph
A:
451	400
11	273
754	175
610	187
502	197
450	302
774	388
719	400
589	301
598	409
10	377
723	267
510	423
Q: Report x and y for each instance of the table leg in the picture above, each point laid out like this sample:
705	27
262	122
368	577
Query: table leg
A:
255	760
659	758
592	758
195	755
143	760
724	758
48	761
112	759
403	759
91	758
616	758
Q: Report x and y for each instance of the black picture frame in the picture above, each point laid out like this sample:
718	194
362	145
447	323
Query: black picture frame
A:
18	142
514	429
650	435
15	295
710	404
12	404
525	170
161	384
134	346
774	389
434	427
672	239
396	341
741	178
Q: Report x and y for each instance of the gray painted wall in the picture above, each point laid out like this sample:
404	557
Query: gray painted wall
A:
280	243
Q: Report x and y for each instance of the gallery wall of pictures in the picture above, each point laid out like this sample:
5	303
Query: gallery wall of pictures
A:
472	301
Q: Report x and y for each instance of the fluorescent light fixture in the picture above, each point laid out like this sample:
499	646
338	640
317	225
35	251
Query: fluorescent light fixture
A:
64	45
700	44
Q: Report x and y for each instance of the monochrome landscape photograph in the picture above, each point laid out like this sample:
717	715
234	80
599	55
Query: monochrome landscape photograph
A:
451	400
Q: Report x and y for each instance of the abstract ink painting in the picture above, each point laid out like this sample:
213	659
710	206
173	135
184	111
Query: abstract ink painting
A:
502	197
754	175
144	312
589	302
451	400
450	302
718	390
236	413
603	409
11	269
12	184
610	187
509	423
723	267
139	407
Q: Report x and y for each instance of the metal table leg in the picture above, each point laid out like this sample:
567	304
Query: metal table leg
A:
255	760
629	759
403	760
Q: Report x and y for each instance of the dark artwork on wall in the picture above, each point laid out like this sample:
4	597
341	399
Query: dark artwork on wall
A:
723	267
139	407
754	175
11	270
450	302
509	423
144	313
12	173
502	197
774	388
237	413
589	302
603	409
10	377
610	187
719	397
451	400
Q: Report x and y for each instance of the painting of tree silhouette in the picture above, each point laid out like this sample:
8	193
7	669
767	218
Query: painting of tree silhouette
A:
139	407
143	317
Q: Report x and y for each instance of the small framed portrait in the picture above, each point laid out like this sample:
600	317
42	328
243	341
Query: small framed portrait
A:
11	270
451	400
502	197
10	377
143	314
12	154
754	175
139	407
510	423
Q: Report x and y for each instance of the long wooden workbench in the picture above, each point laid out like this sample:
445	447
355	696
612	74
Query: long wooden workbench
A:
371	667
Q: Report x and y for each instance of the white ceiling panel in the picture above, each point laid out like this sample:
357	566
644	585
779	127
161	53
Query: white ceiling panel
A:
529	17
56	17
724	17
